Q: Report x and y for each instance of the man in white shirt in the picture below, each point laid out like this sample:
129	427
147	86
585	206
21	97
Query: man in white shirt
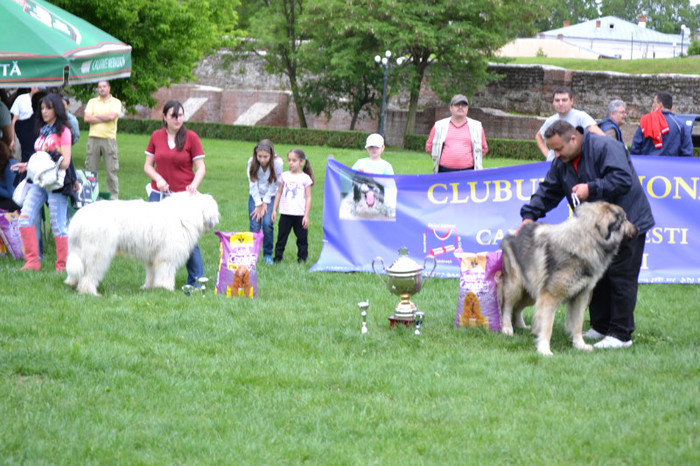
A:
563	103
23	123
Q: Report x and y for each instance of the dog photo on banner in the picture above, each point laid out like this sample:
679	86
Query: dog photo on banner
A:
366	197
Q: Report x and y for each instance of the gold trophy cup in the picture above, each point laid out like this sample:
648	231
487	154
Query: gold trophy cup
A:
404	278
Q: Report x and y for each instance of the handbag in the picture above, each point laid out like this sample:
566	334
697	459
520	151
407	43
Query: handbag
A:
20	192
43	169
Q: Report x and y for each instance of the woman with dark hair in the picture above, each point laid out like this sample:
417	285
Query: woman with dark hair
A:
172	154
7	179
54	138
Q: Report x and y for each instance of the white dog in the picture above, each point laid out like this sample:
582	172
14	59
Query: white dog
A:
160	234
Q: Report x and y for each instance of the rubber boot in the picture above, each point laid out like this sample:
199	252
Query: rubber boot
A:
30	247
61	252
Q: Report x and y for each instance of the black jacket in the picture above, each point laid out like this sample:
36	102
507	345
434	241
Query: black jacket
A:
606	167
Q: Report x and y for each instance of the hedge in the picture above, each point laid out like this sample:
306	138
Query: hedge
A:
301	136
521	149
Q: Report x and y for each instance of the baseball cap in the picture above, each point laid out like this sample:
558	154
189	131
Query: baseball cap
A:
458	98
374	140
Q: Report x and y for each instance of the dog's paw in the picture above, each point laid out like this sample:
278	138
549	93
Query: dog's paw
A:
507	330
544	350
520	323
584	347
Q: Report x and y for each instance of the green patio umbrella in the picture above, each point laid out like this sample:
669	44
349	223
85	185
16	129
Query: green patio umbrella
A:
41	44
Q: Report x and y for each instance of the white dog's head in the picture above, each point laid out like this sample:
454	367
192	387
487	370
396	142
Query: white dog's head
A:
198	204
210	210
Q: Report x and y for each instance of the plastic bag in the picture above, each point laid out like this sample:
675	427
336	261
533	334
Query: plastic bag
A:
238	258
477	304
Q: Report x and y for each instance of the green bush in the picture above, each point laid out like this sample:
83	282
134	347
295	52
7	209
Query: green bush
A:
694	48
305	136
519	149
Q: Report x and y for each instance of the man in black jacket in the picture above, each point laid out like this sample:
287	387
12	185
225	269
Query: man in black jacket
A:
598	168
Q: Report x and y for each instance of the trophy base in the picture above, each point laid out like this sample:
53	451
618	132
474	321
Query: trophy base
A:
405	310
407	322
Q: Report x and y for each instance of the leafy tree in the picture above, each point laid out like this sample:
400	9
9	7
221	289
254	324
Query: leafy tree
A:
555	12
343	74
452	39
168	38
662	15
278	39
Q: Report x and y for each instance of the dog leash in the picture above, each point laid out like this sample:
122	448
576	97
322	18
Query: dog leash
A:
167	192
575	200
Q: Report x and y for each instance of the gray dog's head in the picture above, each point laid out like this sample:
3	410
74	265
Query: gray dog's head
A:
610	221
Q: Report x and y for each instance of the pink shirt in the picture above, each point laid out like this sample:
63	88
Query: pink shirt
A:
457	150
175	166
53	142
293	201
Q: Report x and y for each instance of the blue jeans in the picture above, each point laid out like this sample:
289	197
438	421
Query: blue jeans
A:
58	210
195	266
267	226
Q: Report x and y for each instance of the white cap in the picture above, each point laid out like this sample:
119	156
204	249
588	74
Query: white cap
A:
374	140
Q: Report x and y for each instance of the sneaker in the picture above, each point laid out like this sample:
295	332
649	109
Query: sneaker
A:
268	259
612	342
592	334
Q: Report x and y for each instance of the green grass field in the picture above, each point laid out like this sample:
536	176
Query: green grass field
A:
155	377
646	66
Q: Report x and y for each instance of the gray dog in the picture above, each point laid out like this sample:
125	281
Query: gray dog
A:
547	265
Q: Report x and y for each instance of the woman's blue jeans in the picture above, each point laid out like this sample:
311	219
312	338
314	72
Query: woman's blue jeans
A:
58	210
195	266
267	226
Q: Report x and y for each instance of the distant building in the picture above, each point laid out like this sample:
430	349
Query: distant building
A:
551	48
606	37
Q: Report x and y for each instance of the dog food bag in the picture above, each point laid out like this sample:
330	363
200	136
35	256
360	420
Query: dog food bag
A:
238	258
477	305
9	233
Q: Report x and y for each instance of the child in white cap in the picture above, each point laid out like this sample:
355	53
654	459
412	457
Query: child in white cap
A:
374	164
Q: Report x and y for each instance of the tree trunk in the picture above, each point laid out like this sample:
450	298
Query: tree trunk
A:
355	115
412	109
299	105
415	93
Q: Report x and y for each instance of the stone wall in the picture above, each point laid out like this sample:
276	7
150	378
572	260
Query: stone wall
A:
527	89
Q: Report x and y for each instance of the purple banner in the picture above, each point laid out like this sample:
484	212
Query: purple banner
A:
366	216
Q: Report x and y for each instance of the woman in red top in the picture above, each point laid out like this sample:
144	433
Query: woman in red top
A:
171	155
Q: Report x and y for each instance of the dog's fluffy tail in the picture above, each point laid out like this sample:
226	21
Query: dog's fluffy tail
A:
75	269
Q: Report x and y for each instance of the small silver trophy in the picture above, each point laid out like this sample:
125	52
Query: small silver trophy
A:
419	321
203	284
189	290
364	305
